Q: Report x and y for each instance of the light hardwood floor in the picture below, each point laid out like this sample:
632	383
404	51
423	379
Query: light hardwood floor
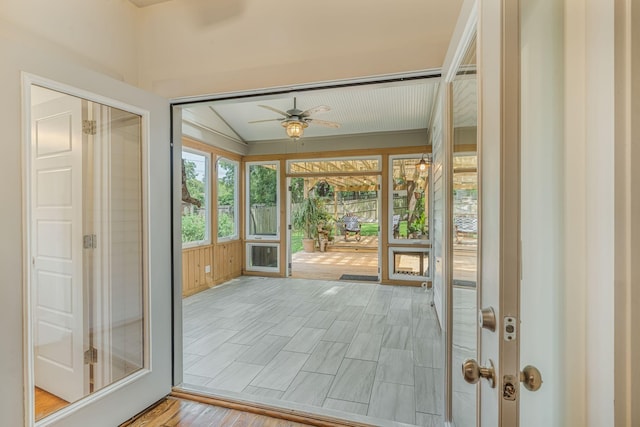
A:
46	403
187	413
357	348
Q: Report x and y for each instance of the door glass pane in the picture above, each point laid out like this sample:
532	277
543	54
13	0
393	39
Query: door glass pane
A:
465	238
410	264
86	247
409	199
263	200
195	198
227	199
262	257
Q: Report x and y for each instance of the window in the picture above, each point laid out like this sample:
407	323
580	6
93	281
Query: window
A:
227	174
263	257
195	198
409	200
263	210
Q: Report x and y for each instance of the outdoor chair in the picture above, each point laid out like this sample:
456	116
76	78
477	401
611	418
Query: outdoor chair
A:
465	225
351	224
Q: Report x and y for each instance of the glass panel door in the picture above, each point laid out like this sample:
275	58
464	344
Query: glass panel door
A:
465	238
86	279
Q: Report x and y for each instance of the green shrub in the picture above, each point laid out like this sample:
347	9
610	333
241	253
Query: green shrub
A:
193	228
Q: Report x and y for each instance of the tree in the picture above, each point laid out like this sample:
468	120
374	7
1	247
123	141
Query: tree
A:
263	185
226	182
194	224
195	185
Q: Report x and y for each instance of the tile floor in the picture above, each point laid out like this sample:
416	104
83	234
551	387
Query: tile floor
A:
360	348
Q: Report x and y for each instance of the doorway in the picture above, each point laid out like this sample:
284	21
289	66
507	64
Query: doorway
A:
335	227
339	348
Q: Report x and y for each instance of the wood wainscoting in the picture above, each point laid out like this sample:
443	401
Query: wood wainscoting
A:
224	261
227	259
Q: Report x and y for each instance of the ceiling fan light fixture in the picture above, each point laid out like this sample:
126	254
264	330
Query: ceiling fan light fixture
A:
295	128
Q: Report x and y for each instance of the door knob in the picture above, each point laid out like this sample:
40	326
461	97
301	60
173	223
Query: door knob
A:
472	372
531	378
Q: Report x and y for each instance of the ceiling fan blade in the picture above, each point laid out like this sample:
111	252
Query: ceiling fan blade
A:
266	120
315	110
324	123
275	110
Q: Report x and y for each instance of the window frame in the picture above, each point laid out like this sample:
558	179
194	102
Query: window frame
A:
236	198
207	199
248	264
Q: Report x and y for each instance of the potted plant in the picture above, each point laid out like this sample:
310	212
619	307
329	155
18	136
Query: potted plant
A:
306	218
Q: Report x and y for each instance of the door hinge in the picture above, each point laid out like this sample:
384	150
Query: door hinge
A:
89	127
291	188
91	356
89	241
289	226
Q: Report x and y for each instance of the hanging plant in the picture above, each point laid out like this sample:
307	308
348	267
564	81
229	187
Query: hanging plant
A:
323	188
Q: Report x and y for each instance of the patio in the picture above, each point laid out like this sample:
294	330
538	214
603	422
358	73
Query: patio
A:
361	258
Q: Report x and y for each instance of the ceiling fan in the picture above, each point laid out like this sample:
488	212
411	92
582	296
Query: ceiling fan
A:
295	121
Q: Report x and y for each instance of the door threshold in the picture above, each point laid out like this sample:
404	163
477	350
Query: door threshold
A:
271	407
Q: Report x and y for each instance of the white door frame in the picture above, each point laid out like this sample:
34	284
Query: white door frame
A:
141	389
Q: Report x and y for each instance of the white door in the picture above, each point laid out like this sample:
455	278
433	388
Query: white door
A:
56	242
54	201
495	369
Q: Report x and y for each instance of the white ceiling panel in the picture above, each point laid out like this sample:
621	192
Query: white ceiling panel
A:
372	108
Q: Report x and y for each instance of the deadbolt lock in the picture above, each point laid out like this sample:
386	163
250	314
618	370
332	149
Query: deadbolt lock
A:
472	372
487	319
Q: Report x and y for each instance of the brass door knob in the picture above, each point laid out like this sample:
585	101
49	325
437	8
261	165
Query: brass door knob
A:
531	378
472	372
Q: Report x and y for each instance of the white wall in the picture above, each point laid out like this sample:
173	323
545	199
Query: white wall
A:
99	34
542	200
591	388
66	60
195	47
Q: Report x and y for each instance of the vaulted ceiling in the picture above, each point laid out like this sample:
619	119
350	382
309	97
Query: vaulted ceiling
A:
374	108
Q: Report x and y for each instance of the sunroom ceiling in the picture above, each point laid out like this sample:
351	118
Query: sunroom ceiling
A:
371	108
